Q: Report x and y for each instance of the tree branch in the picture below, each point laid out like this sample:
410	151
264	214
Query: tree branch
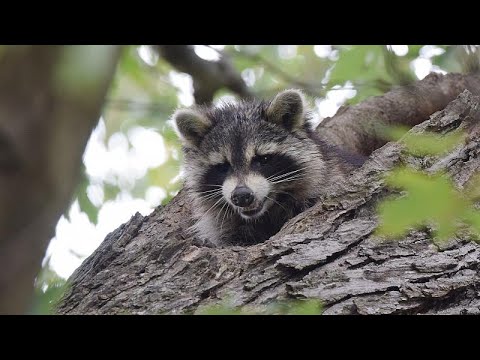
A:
208	76
360	129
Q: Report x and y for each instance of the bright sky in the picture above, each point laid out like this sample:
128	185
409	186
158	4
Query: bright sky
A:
116	163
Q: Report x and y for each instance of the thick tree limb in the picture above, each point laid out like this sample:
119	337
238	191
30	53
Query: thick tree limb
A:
208	76
46	117
149	265
360	129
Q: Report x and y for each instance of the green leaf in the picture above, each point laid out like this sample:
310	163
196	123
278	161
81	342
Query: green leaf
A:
414	51
430	200
84	202
49	289
110	191
472	217
292	307
223	309
88	208
360	62
426	143
304	307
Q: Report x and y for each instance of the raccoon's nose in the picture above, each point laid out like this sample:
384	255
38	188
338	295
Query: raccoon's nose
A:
242	196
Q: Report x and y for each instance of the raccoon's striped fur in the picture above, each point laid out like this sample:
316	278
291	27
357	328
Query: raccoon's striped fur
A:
252	166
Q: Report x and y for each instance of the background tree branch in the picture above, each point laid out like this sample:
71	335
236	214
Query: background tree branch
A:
50	100
150	265
309	88
361	128
208	76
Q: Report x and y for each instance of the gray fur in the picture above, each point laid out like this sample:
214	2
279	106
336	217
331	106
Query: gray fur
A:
237	135
288	109
191	126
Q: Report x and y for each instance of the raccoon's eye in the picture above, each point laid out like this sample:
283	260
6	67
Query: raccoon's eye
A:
262	159
223	167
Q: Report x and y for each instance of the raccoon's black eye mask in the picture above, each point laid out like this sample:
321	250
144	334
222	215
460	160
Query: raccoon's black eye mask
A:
222	168
262	159
273	165
257	162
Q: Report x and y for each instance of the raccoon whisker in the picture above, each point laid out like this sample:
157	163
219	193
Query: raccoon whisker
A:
224	215
293	178
219	191
287	180
290	172
266	211
208	191
277	176
219	188
217	217
279	172
286	193
290	176
285	174
212	196
211	207
276	202
281	177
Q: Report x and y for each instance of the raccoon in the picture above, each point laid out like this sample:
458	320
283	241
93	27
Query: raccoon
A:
252	166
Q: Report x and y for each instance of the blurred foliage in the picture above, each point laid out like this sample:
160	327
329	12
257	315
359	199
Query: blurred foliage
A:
428	200
146	90
293	307
84	201
426	143
49	288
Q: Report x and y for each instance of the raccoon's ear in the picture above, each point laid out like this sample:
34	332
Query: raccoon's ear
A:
288	109
191	126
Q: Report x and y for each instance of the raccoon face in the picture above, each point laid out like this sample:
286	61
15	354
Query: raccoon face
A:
250	157
252	185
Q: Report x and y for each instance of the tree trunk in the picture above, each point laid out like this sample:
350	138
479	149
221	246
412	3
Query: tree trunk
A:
50	100
149	265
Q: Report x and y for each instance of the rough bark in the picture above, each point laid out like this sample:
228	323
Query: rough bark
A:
46	117
208	76
149	265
